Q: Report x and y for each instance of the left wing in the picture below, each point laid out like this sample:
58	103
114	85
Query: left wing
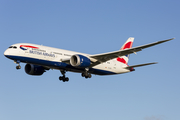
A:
99	58
111	55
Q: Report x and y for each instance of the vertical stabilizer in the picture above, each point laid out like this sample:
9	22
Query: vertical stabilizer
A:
128	44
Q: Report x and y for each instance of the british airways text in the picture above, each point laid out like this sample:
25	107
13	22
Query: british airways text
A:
41	53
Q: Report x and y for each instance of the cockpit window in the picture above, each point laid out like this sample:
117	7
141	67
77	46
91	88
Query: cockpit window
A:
14	47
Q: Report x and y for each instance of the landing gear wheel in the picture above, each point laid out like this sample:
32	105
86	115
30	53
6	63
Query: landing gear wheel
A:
83	75
67	79
89	76
60	78
18	67
63	78
86	75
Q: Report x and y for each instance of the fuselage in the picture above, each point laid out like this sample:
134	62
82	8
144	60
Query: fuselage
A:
52	58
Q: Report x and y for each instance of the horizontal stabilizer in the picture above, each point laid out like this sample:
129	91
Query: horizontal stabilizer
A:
133	66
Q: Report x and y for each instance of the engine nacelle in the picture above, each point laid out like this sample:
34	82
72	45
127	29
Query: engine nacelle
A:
80	61
34	69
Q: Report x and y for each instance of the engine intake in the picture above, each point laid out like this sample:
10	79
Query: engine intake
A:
34	69
80	61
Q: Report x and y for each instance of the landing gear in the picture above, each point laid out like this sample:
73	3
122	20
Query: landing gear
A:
63	78
86	74
18	66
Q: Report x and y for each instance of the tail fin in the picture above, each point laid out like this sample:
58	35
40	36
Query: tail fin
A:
127	44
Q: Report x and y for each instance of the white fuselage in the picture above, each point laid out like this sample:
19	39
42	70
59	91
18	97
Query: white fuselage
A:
52	58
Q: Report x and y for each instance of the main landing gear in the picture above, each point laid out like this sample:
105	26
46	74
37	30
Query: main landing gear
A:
86	74
18	66
63	78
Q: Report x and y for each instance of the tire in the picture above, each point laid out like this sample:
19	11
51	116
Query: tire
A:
18	67
60	78
89	75
67	79
82	75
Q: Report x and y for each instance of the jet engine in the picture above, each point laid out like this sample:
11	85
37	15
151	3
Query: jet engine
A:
34	69
80	61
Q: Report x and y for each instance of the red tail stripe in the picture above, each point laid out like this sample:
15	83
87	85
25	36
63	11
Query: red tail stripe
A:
121	60
127	45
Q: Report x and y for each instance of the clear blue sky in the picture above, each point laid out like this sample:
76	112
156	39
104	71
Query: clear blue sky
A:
92	26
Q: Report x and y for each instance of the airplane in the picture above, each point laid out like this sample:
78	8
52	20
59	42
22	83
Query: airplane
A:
39	59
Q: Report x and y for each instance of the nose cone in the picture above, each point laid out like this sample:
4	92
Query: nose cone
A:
6	53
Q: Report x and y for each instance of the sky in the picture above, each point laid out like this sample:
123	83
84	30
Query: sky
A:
93	27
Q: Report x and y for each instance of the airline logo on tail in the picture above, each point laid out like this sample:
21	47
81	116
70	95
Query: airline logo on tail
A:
128	44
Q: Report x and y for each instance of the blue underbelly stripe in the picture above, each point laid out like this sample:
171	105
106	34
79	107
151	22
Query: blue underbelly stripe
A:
58	65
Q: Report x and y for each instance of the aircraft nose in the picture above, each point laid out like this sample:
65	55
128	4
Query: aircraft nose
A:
6	52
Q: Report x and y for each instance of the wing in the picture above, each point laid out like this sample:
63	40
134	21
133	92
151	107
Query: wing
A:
111	55
99	58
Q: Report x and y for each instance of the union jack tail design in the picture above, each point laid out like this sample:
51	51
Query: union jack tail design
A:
128	44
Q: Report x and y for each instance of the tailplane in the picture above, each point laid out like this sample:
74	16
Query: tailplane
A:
128	44
131	68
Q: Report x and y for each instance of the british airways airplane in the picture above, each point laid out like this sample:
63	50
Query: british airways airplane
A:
40	58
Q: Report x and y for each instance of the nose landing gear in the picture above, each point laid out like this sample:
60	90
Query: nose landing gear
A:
18	66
